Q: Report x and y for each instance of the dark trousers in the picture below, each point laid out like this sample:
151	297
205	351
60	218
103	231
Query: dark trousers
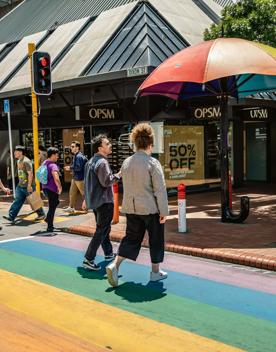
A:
53	203
103	215
135	232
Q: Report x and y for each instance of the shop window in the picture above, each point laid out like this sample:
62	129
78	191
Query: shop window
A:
183	157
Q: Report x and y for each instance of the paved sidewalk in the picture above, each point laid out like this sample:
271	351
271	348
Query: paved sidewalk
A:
252	243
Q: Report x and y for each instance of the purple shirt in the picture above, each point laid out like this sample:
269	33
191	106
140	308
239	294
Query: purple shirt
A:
51	185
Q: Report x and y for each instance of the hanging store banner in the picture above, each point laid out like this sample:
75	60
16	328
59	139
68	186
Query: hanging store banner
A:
206	113
256	114
184	152
99	113
102	113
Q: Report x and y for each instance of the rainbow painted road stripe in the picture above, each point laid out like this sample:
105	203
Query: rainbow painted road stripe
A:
66	308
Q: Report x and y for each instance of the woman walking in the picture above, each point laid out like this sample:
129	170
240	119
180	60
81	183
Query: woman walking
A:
145	204
52	188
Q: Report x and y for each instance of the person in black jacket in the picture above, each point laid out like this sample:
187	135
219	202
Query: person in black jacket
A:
77	169
98	181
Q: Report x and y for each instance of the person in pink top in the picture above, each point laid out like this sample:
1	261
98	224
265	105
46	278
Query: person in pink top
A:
52	188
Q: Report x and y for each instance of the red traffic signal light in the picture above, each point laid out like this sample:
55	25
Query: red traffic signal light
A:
42	82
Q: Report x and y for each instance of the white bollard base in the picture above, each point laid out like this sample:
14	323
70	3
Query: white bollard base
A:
182	226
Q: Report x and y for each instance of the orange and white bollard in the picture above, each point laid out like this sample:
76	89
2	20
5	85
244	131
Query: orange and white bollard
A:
181	195
115	219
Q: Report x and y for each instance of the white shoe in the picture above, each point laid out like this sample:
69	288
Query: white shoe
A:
161	275
112	274
69	210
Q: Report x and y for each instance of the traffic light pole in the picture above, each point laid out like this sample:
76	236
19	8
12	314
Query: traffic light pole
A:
31	49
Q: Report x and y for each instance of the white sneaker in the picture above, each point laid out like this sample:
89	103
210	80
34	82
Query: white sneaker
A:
161	275
112	274
69	210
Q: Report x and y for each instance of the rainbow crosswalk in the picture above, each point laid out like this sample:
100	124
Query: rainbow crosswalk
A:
198	308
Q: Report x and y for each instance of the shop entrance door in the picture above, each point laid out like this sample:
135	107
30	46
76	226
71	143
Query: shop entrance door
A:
256	151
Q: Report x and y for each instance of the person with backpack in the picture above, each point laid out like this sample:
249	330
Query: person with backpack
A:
98	181
77	169
48	175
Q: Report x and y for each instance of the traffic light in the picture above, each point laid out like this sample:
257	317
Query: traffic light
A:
42	82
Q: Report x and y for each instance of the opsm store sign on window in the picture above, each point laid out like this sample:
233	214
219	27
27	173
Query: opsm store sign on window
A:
184	152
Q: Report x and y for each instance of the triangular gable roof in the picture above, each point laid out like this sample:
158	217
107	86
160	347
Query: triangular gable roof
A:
145	39
91	42
141	33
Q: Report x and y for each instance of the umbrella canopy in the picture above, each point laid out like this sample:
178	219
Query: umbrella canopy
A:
222	67
250	67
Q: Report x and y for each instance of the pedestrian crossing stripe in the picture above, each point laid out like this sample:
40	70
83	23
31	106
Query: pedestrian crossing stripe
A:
204	308
96	322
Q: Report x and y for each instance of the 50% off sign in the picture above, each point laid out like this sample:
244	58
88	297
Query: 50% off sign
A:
182	156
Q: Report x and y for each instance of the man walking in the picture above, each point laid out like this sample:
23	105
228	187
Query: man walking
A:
77	183
98	180
52	188
26	185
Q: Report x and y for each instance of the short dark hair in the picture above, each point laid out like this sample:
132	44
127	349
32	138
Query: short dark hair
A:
42	148
77	144
51	151
20	148
97	142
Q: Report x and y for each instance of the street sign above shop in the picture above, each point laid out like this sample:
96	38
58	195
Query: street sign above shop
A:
137	71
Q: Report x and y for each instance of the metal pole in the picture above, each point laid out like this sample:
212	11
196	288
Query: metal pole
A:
31	49
224	160
11	153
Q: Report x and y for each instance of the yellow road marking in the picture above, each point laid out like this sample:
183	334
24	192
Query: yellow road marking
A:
96	322
20	332
31	217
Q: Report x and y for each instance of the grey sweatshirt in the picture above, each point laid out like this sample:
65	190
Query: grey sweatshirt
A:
144	186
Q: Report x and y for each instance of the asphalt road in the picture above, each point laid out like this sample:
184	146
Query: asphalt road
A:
48	302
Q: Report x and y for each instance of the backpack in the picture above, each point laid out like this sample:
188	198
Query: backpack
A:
42	174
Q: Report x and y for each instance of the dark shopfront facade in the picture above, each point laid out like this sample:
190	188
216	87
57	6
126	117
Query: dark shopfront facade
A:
80	114
192	142
187	137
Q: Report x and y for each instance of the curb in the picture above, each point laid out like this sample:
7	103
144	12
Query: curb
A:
224	255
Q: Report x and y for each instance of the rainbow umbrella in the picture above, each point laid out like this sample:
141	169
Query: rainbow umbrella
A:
223	67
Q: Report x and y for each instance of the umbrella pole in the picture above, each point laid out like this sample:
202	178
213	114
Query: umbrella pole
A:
226	213
224	159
